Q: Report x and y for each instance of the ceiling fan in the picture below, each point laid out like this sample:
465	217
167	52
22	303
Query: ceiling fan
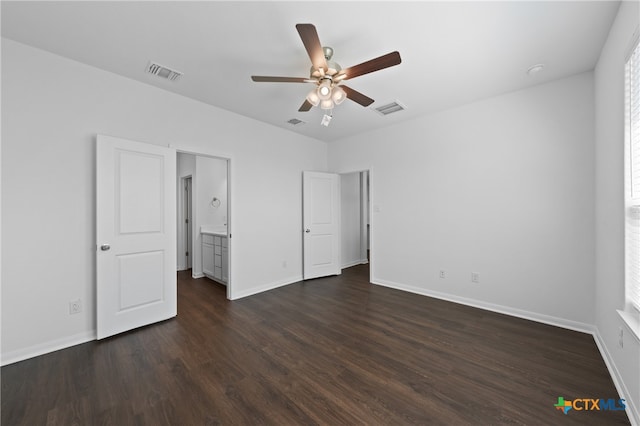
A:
328	75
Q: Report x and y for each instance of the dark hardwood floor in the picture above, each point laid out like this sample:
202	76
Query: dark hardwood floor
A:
335	351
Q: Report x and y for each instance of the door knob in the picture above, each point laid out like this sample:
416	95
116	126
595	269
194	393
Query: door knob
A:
105	247
307	230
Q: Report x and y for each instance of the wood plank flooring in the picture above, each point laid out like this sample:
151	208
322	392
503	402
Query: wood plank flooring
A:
334	351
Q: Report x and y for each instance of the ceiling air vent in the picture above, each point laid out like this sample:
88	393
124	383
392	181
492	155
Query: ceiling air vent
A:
389	108
164	72
295	122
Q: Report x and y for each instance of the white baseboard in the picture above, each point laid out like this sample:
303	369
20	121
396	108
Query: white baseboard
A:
47	347
354	263
264	287
533	316
633	410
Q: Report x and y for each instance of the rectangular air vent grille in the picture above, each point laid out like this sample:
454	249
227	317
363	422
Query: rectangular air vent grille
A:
295	122
390	108
164	72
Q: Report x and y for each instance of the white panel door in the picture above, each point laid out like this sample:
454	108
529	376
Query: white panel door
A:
321	218
136	234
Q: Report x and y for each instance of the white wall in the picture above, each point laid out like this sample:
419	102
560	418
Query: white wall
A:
609	183
50	116
211	177
503	187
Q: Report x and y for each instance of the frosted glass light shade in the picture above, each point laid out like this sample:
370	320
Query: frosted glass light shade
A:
338	96
313	98
326	104
324	90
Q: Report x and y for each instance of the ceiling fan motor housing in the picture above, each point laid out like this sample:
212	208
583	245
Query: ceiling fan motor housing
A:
332	67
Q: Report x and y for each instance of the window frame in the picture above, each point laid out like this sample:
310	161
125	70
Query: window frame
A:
630	313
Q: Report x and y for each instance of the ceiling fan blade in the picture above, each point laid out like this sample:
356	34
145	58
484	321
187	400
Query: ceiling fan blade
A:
306	106
265	79
311	42
377	64
357	97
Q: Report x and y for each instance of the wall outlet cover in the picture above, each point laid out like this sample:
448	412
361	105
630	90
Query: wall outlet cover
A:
75	307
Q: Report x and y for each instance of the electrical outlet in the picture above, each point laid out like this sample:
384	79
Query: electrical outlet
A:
75	307
475	277
284	264
443	274
621	337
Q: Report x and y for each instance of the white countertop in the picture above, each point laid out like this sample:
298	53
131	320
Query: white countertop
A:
220	231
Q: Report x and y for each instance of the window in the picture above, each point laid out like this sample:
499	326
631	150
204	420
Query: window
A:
632	177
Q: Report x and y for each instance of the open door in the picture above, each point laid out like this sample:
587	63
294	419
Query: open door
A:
136	234
321	220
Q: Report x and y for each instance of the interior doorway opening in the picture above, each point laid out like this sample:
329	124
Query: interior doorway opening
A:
204	244
187	225
355	218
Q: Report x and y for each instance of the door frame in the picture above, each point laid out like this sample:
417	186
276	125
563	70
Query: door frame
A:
198	152
369	171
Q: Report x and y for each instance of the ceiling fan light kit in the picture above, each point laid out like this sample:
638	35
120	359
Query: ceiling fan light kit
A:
329	75
327	95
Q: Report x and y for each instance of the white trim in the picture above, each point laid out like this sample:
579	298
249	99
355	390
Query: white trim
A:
47	347
631	169
533	316
632	320
265	287
354	263
633	42
632	410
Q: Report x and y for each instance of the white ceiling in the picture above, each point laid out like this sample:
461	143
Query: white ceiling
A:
452	52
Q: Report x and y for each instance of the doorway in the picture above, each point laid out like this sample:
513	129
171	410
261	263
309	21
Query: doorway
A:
355	217
204	244
187	210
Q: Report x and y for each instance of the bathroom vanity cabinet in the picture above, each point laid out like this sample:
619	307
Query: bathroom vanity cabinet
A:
215	254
